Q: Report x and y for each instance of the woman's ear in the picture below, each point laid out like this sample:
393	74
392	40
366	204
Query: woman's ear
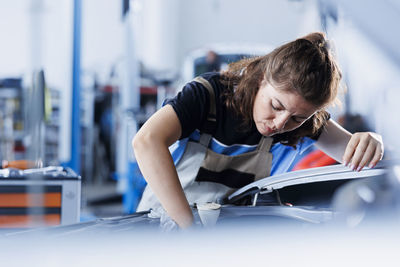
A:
263	81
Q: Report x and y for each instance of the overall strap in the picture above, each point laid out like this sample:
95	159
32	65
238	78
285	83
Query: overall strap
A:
265	144
205	139
211	124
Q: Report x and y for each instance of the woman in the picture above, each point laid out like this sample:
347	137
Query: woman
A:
245	124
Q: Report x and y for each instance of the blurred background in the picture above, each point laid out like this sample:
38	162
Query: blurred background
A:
79	77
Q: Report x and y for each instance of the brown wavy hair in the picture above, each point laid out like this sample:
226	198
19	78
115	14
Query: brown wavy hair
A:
305	66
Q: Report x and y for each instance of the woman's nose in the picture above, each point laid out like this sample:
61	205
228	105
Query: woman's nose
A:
280	121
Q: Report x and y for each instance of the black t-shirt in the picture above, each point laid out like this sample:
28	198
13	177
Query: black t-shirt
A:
192	106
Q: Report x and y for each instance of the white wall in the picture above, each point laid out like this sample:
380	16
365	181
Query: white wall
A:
19	53
158	31
166	31
373	80
14	52
56	49
169	29
38	34
253	21
102	36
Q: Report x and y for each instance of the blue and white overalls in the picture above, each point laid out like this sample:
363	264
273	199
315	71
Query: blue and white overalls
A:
198	157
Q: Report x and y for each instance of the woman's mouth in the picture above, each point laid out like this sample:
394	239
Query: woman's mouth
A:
268	131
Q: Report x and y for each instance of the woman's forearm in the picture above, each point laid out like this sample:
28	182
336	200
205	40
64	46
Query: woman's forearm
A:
150	146
333	140
157	167
356	150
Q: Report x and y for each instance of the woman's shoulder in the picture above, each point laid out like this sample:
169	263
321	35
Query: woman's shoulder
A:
211	76
214	78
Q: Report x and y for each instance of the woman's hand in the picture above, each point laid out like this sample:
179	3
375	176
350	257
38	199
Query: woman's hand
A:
357	150
365	148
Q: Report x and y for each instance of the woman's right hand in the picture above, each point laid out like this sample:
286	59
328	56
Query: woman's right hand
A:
364	148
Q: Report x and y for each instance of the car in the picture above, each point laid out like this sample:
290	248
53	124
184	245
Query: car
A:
256	224
306	197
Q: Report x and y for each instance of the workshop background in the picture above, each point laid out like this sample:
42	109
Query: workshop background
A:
79	77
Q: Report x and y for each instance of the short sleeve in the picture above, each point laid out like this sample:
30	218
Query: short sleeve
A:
191	105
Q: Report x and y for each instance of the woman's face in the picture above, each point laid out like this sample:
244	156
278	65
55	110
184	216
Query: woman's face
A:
277	111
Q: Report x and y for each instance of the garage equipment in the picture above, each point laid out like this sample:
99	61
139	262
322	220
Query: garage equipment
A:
39	197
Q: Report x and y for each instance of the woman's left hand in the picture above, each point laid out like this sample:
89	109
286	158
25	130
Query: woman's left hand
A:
362	149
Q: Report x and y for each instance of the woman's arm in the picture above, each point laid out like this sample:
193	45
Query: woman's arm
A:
156	164
357	149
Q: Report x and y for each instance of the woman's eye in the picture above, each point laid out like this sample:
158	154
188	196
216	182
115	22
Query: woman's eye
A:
274	107
296	120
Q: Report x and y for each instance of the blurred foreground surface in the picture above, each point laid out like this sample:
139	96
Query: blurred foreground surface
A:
375	244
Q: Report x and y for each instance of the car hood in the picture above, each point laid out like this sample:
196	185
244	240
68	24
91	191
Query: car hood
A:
319	174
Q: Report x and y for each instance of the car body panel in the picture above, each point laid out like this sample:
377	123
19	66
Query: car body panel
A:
319	174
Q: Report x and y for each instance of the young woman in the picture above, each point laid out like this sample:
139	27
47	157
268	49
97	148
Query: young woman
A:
244	124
